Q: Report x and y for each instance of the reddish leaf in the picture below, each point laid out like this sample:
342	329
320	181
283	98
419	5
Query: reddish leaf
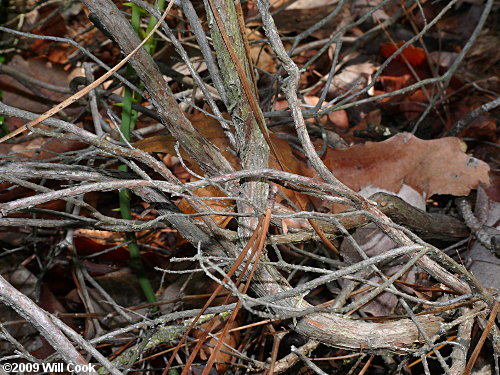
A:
414	55
88	242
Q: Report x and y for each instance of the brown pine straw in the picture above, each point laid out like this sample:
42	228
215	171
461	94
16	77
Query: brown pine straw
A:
240	328
431	352
367	365
260	246
219	288
477	349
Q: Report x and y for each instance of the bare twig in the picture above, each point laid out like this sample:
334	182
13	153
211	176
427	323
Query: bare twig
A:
42	321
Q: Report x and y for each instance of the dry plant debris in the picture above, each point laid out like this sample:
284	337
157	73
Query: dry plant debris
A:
304	187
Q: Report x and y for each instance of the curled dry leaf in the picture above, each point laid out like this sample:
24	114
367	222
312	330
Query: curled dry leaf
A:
210	129
215	205
359	75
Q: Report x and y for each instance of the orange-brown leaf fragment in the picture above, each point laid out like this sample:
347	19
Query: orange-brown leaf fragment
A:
432	167
211	204
414	55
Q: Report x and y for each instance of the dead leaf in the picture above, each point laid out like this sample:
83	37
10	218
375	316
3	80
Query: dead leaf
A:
485	264
431	167
20	96
355	74
414	55
482	57
207	126
302	14
339	119
215	205
90	241
443	59
374	242
259	52
373	118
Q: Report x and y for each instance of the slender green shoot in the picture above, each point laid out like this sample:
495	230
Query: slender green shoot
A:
129	119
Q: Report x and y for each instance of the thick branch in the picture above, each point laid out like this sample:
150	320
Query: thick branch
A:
207	155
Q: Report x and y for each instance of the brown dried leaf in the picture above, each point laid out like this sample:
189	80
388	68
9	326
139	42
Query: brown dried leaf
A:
431	167
207	126
216	205
259	52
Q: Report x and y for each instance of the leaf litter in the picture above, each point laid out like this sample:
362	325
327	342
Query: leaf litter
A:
392	160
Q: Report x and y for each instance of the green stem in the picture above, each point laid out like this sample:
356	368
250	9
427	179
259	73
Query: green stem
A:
151	45
129	119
